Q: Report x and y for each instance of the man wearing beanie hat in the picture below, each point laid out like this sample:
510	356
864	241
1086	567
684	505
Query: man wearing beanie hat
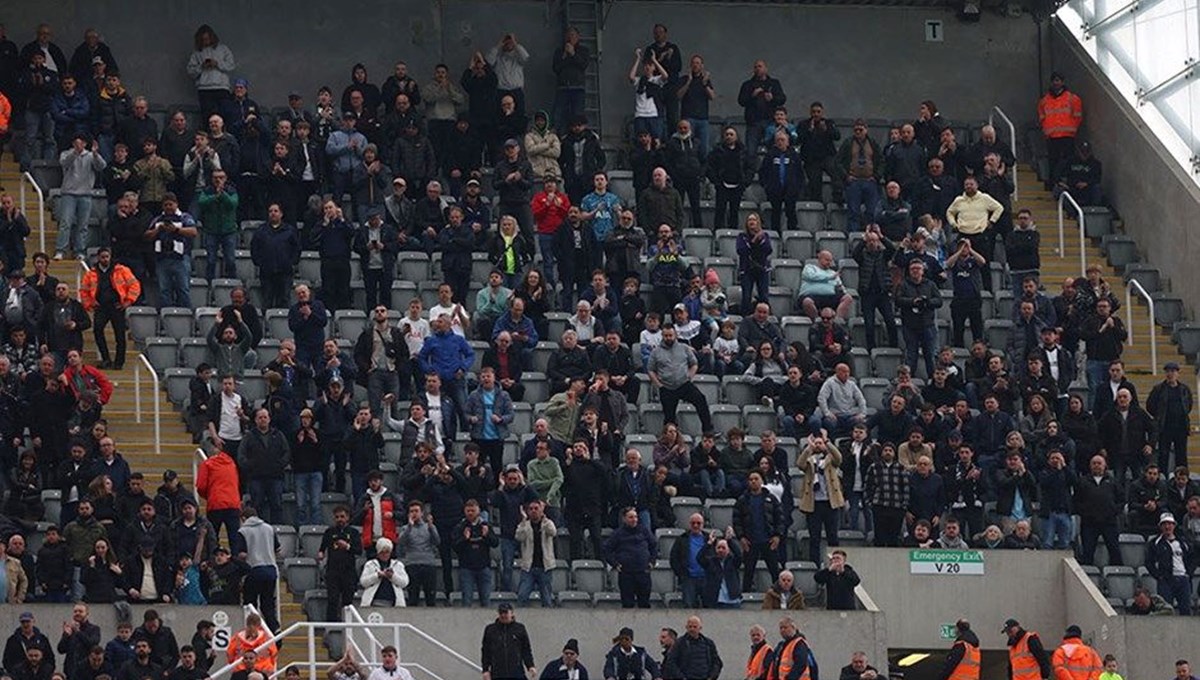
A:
1170	559
1075	660
383	579
567	667
626	661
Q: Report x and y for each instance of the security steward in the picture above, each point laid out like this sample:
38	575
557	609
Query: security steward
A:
1027	658
1074	660
761	654
793	659
962	662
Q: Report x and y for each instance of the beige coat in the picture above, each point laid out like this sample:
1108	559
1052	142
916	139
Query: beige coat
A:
18	583
543	151
773	599
525	540
833	479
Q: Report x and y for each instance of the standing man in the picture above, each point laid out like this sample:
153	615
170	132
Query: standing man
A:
1074	659
106	291
918	299
974	214
1027	658
759	524
80	167
1060	113
963	660
508	59
874	254
759	96
818	150
860	159
694	655
668	55
793	658
219	220
380	349
275	250
672	366
173	233
632	550
260	544
570	66
506	650
340	547
1170	403
263	456
1104	337
1170	559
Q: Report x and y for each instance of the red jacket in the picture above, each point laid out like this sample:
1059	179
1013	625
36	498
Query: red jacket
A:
387	504
548	216
89	378
217	483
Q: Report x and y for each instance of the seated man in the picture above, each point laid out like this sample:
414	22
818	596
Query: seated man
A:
840	404
1080	176
828	341
508	363
821	286
568	362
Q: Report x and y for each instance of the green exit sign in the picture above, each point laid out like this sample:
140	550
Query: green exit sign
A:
949	631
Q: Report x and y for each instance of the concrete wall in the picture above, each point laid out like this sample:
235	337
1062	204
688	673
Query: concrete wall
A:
918	605
1086	607
841	55
833	635
182	620
1153	644
1157	200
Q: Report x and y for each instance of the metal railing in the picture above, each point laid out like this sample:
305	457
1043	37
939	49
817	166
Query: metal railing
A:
1012	142
144	363
1066	197
79	274
1129	290
310	630
198	457
41	206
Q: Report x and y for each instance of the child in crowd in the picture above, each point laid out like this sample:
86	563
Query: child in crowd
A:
633	310
726	352
187	582
54	567
650	338
1110	668
713	293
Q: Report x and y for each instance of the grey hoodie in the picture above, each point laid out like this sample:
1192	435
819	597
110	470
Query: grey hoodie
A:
261	542
79	171
418	544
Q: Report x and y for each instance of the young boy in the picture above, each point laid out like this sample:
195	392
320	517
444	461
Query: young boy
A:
650	338
120	649
22	354
633	310
221	579
201	391
187	582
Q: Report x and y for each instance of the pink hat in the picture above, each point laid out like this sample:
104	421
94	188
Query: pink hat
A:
711	277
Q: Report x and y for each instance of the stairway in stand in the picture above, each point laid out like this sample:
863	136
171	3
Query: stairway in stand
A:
1056	267
135	440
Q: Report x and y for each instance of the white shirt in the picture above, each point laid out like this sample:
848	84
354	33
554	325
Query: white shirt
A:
396	673
644	105
434	412
230	425
1052	362
148	589
415	333
455	323
1177	566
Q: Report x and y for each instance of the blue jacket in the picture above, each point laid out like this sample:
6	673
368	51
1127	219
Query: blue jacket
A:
503	408
309	333
508	504
72	113
556	670
275	251
505	323
633	549
333	240
341	156
446	353
632	666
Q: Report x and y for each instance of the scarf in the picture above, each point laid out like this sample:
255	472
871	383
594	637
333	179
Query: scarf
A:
376	498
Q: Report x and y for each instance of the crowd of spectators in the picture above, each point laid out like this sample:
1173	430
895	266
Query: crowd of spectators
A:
992	451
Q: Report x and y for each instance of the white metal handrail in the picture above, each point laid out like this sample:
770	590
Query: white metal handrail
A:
79	274
41	206
310	628
1012	142
1066	197
350	613
198	457
279	672
1130	287
137	400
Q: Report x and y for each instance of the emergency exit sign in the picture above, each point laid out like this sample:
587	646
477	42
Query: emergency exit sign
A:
949	631
946	562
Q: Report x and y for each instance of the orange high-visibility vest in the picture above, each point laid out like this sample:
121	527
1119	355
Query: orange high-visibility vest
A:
783	665
1074	660
1061	116
1024	666
968	668
757	663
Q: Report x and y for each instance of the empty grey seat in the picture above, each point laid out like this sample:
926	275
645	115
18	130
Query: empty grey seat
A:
684	507
574	599
288	541
302	574
1133	549
720	512
310	539
163	353
739	390
143	322
178	322
1119	581
589	576
193	352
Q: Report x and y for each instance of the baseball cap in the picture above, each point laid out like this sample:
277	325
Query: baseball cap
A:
26	616
511	142
1166	517
97	60
473	182
242	82
295	95
1171	366
349	115
1009	624
678	307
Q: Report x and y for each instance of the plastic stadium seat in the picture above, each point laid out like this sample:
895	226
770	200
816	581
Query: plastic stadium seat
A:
401	294
522	417
302	574
644	443
193	352
684	507
885	361
666	538
143	322
787	272
1168	309
349	323
589	576
651	418
556	323
268	351
874	390
1133	549
276	324
781	299
726	268
860	362
574	600
537	387
811	216
198	292
662	579
1119	581
1149	276
686	417
739	390
720	512
759	418
698	242
1094	574
541	355
805	573
414	266
253	386
1003	304
288	541
725	416
220	289
1145	580
205	318
795	329
800	245
246	271
177	380
479	346
52	500
329	501
606	600
392	446
315	602
833	241
709	386
560	576
178	322
310	539
726	243
997	331
163	353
